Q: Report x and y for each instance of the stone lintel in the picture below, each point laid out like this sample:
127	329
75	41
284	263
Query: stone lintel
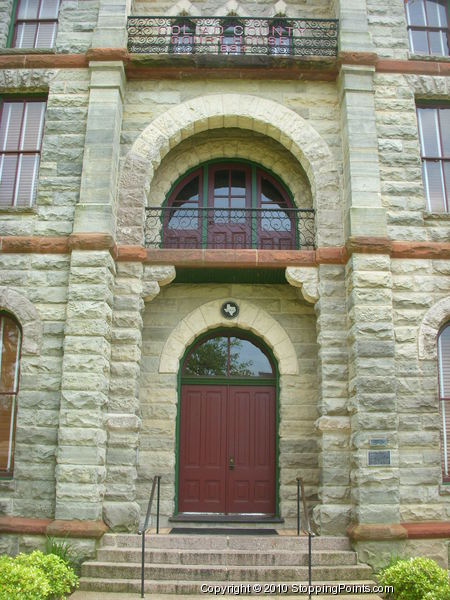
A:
377	532
24	525
59	528
399	531
368	245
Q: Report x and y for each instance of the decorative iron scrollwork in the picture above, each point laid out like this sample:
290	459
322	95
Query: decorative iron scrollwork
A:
232	36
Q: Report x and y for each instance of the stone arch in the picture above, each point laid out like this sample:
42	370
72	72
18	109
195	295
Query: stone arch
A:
433	320
251	318
27	316
221	111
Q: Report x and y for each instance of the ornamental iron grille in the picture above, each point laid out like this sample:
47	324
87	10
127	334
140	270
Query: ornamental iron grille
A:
229	205
232	36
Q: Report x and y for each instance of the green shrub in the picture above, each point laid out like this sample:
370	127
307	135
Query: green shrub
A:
35	576
21	582
64	550
416	579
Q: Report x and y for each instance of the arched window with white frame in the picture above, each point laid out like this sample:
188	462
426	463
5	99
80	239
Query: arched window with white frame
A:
444	396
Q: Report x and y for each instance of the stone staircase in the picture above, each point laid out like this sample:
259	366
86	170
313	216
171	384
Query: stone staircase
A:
180	564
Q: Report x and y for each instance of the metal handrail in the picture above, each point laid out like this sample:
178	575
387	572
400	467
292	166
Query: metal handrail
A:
156	484
302	498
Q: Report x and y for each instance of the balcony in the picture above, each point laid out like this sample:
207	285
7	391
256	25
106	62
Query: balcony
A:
177	227
233	36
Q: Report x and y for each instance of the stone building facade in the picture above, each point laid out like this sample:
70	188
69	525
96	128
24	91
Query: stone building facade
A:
107	318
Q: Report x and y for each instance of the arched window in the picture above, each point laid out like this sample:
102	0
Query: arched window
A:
230	205
228	355
10	343
444	396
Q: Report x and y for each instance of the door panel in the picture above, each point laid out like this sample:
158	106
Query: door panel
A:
202	460
251	442
219	423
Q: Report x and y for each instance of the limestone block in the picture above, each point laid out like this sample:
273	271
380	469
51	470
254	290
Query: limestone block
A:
306	278
121	516
122	422
150	289
328	423
332	519
162	274
85	455
82	474
86	492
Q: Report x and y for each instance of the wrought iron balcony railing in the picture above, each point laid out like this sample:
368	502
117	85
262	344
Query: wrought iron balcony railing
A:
274	229
232	36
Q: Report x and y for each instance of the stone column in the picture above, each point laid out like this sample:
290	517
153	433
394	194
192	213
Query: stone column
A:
111	25
134	284
372	383
95	210
325	288
353	26
372	387
81	471
334	512
364	214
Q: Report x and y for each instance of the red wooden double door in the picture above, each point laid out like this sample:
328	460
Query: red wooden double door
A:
227	449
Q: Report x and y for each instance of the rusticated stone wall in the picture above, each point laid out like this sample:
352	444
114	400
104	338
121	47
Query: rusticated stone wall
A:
40	284
298	392
58	190
76	24
402	190
5	16
388	28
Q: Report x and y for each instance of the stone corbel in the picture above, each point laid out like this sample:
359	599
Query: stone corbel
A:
307	279
154	277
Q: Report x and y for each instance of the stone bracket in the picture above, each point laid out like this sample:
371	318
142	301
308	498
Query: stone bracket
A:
154	277
305	278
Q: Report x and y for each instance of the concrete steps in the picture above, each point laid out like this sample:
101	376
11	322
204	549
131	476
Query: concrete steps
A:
180	564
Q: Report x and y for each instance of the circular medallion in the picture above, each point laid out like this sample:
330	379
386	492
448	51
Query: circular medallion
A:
229	310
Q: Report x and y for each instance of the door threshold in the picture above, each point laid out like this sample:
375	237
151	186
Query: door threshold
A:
218	518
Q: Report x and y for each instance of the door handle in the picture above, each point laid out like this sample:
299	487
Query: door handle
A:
231	463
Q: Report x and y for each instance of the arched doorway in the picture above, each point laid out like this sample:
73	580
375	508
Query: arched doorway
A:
227	426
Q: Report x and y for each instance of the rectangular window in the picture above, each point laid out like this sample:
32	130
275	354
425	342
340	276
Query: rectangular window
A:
434	133
428	30
21	128
35	25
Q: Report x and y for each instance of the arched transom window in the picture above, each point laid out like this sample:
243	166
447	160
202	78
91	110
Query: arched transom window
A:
10	343
228	355
233	205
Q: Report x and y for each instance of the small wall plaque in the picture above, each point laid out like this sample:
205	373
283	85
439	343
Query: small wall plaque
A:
230	310
379	458
377	442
